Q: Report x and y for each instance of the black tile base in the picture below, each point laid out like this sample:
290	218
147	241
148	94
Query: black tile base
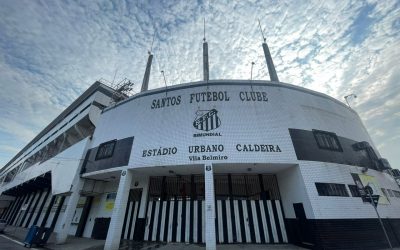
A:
343	233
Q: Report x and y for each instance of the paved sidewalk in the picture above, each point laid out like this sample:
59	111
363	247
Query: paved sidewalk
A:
183	246
73	243
77	243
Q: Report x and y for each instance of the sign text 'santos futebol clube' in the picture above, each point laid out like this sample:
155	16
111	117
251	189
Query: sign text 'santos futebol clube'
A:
209	96
209	121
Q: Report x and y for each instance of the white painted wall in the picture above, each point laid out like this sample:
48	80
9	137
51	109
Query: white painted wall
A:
63	168
332	207
293	190
98	209
244	122
241	123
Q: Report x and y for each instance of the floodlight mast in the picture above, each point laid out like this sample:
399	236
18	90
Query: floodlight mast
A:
146	77
270	64
205	56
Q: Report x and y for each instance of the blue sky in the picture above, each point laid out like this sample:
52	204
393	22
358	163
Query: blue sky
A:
51	51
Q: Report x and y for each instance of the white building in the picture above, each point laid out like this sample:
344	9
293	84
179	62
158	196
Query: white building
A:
215	162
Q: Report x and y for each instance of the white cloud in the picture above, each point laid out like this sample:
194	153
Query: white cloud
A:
51	51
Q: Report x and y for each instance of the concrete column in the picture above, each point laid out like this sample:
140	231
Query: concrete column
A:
66	219
145	197
211	241
118	214
271	68
140	224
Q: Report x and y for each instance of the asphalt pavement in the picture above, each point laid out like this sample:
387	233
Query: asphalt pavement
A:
9	243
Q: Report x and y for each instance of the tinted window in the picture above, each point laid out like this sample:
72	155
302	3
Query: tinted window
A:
354	191
331	189
327	140
106	150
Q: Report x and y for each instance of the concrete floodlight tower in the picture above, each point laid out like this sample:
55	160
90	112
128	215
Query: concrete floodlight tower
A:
146	77
206	71
271	68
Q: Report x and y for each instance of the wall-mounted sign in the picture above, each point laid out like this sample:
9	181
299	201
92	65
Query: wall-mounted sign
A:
159	151
363	180
166	102
110	201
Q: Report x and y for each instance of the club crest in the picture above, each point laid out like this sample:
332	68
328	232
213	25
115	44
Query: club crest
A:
207	120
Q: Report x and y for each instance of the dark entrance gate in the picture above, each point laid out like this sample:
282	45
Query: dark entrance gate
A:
175	211
131	214
248	209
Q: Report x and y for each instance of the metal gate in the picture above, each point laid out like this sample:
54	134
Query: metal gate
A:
248	209
175	211
131	214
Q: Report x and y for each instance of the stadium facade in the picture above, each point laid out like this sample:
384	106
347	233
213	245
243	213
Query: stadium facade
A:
214	162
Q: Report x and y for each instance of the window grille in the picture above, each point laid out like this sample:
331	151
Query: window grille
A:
331	189
327	140
106	150
354	191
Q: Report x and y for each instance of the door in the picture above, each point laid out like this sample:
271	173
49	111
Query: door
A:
302	224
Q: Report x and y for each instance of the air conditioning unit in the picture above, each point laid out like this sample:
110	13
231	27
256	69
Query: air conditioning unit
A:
383	164
395	172
360	145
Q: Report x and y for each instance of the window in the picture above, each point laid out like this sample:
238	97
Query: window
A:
327	140
105	150
331	189
354	191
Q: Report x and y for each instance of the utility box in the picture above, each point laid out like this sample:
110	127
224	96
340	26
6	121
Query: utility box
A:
37	235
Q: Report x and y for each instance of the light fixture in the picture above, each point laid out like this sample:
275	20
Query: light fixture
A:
347	96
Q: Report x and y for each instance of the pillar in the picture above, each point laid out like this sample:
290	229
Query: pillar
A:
145	197
66	219
140	224
211	242
117	219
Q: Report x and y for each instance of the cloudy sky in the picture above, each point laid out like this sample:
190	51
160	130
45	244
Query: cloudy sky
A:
51	51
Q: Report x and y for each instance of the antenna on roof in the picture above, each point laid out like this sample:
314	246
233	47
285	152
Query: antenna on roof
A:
271	68
204	38
115	74
262	33
152	42
165	82
205	56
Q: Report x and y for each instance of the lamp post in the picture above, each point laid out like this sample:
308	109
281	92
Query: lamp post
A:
347	96
251	71
369	192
